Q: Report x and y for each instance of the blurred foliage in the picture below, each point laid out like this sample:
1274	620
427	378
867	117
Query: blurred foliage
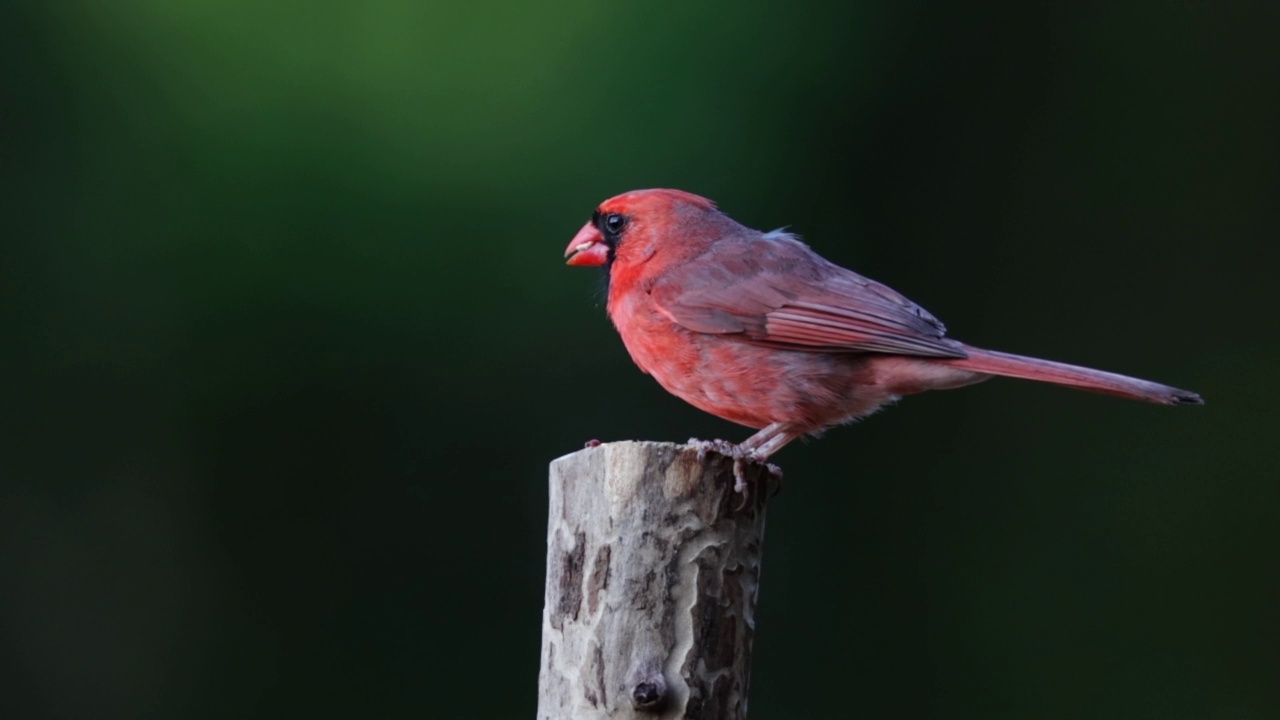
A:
289	343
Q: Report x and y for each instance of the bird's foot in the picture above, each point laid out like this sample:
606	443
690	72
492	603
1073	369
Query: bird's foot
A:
741	457
724	447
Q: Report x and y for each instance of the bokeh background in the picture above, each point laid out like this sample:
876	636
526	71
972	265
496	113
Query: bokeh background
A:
288	343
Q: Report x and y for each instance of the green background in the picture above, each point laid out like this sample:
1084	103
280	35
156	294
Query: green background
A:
288	343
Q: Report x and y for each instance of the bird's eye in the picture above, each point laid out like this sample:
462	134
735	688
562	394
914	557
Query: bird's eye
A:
614	223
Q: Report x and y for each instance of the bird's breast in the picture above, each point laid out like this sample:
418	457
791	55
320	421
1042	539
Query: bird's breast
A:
739	381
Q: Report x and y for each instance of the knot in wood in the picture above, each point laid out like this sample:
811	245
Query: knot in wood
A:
650	693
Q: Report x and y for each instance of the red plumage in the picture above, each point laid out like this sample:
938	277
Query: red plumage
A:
758	329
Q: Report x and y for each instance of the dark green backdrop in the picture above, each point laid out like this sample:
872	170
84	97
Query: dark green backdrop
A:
288	343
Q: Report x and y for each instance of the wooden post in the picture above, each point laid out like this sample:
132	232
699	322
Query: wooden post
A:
653	568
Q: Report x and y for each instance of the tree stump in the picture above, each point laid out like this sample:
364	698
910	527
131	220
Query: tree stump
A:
653	569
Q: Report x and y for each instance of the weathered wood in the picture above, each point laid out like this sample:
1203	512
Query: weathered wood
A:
653	568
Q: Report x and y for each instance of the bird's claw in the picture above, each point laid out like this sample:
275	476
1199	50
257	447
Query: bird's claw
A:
740	476
740	482
775	472
741	457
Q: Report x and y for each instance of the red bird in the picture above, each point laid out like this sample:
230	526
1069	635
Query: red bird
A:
758	329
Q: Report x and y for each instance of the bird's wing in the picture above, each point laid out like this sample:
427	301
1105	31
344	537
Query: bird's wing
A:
773	290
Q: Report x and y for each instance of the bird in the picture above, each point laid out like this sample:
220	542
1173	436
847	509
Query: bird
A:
758	329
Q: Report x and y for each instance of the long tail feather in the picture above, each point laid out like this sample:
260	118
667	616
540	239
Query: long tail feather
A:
1099	381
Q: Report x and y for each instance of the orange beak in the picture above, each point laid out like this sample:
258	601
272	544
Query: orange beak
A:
587	248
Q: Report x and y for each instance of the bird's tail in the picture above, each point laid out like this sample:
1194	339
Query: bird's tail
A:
1099	381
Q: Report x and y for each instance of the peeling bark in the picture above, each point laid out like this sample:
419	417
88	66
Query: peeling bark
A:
653	568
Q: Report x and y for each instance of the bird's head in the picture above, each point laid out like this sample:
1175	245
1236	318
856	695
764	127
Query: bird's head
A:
631	228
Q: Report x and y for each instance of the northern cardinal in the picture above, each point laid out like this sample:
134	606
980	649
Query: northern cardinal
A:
758	329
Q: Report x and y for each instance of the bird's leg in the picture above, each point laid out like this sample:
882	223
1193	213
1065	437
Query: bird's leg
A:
769	441
756	448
